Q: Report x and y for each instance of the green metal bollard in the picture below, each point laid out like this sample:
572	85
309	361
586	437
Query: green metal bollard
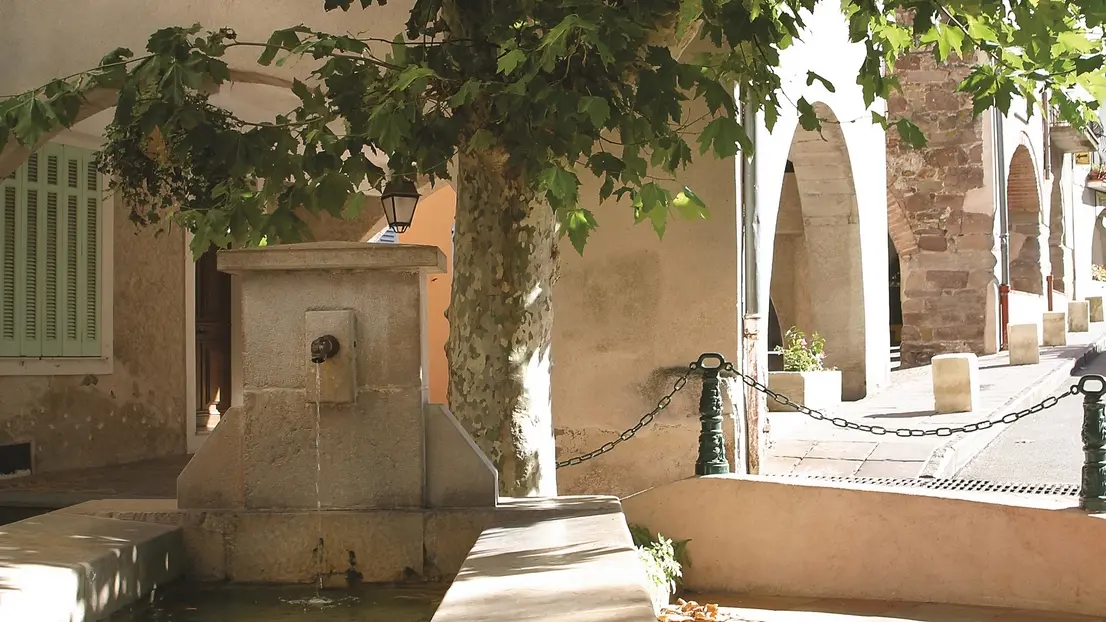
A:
712	448
1092	490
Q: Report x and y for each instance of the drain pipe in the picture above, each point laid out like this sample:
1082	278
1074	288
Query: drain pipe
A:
752	329
1004	224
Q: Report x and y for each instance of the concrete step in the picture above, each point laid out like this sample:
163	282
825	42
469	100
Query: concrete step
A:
61	567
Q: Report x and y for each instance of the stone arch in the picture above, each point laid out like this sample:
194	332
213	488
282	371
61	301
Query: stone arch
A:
898	227
817	282
1025	218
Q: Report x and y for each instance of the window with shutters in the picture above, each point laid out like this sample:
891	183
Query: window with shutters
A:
51	257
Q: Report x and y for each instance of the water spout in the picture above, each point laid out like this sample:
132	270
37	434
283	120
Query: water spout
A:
324	348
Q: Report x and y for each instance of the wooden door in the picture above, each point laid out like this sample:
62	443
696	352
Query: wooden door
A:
212	342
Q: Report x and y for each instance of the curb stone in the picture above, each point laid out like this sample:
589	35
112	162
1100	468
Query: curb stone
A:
948	459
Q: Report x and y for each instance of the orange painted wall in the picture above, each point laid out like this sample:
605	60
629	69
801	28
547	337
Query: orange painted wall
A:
433	225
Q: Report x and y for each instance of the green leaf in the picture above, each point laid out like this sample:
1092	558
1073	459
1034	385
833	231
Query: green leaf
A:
285	39
1070	41
482	139
411	75
332	192
562	186
690	11
812	77
33	119
689	205
808	119
510	61
980	31
597	109
354	206
911	133
578	225
651	201
724	134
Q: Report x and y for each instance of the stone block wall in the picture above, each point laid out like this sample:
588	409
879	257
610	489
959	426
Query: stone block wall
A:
939	192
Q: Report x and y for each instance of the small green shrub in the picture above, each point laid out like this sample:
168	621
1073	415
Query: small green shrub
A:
663	558
800	354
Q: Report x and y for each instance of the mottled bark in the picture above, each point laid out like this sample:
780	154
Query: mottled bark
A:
501	320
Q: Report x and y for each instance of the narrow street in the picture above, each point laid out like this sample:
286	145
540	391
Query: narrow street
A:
1041	449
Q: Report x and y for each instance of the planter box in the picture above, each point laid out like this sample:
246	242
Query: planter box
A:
819	390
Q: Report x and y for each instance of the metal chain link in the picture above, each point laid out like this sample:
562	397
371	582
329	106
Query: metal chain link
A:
877	430
644	421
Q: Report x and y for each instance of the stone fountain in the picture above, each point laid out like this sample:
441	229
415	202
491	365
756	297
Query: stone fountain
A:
334	470
333	352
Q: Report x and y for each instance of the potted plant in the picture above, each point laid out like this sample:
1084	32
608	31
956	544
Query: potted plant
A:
805	378
1097	173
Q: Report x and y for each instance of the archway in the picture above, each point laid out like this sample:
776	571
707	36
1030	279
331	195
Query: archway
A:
1025	216
817	285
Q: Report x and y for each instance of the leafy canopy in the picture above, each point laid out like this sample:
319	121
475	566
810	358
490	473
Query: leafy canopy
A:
553	86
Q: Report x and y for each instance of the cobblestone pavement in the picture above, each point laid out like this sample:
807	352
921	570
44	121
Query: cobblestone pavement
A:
762	609
800	446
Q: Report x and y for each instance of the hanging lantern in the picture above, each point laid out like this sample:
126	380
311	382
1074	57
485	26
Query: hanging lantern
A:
400	197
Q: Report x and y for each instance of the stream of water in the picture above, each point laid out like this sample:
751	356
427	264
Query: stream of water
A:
319	474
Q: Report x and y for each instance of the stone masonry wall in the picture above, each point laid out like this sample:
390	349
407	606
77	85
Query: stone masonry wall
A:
946	281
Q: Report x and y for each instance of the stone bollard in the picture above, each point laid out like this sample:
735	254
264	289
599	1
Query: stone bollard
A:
955	382
1079	316
1096	308
1024	344
1054	328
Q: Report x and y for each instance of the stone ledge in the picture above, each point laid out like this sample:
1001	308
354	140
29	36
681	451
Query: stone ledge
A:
62	566
333	256
577	566
219	548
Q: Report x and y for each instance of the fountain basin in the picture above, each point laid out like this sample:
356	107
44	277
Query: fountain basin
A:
252	603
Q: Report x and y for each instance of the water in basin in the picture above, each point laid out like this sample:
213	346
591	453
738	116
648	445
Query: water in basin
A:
243	603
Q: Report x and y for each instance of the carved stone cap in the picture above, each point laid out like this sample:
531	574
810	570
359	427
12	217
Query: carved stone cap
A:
330	256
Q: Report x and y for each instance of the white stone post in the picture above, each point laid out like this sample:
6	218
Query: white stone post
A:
1079	316
955	382
1054	325
1024	344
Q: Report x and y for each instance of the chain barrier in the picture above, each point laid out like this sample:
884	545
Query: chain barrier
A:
840	422
877	430
645	420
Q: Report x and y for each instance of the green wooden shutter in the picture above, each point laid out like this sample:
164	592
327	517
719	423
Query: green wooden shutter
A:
52	216
9	207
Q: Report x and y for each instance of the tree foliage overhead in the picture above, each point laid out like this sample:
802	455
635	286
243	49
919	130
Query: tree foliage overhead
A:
555	86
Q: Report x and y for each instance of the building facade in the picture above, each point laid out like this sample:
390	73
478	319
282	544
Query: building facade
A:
813	232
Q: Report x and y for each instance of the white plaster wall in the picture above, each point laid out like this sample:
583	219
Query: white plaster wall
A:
1026	308
825	49
1084	218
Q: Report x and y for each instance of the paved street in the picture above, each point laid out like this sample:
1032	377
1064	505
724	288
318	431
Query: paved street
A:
800	446
1042	449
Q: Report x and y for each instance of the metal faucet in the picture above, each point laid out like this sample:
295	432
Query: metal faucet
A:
324	348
